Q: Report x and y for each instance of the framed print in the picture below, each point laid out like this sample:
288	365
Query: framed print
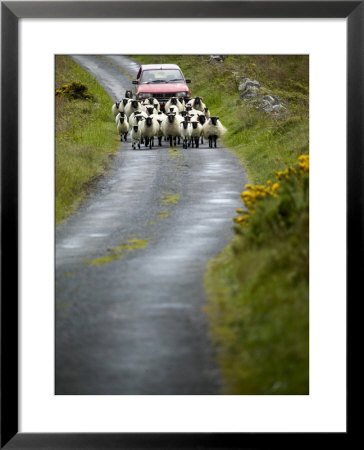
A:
62	406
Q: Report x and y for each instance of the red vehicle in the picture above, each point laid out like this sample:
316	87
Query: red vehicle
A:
161	81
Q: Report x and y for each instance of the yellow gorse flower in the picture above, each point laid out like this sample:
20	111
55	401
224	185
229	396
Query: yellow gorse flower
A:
254	194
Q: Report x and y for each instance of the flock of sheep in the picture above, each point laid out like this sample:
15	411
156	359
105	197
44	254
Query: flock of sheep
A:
187	121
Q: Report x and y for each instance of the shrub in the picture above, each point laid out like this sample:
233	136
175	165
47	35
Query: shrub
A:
74	90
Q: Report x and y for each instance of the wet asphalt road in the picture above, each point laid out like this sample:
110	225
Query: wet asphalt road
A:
130	266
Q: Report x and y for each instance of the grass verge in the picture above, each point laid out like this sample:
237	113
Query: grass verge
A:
85	136
258	287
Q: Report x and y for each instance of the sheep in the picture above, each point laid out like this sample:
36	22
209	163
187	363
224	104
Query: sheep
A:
170	128
202	119
182	101
212	130
153	101
185	131
191	111
123	103
149	127
115	108
150	109
121	114
123	128
172	109
135	135
207	112
131	106
159	117
195	132
134	115
173	101
196	103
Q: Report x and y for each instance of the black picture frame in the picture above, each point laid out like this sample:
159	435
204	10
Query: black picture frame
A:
11	12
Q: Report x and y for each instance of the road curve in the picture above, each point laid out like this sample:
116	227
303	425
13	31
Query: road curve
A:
130	265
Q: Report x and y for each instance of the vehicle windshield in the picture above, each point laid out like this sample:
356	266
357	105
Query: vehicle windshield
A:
161	76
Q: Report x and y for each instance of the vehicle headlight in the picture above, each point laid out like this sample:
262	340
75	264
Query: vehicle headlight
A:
145	95
181	94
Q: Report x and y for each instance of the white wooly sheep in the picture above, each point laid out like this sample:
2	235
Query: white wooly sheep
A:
207	112
192	111
182	102
170	128
123	102
134	115
152	101
150	109
201	117
195	132
159	117
115	108
212	130
120	114
136	136
149	128
132	106
197	103
123	128
185	132
173	101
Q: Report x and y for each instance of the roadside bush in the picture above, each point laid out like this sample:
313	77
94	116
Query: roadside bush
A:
74	90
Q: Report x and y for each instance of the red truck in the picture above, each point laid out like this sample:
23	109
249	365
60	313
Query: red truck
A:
161	81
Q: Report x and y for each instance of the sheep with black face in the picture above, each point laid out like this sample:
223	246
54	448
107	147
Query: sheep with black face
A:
123	128
185	132
136	135
170	128
173	101
212	130
149	128
131	106
197	103
115	108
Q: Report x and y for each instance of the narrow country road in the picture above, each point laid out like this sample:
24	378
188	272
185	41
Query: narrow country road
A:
130	265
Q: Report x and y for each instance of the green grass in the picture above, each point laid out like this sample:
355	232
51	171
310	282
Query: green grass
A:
86	137
258	287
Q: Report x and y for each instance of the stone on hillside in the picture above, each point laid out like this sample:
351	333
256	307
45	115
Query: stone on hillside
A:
251	91
247	83
217	58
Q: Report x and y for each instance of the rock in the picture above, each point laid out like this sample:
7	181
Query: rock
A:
247	83
217	58
251	91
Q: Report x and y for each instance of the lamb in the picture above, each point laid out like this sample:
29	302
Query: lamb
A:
115	108
136	136
123	128
149	127
173	101
185	131
131	107
170	128
196	103
212	130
